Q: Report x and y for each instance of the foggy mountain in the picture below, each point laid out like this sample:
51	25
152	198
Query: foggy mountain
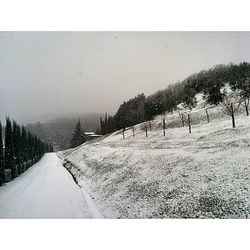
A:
58	132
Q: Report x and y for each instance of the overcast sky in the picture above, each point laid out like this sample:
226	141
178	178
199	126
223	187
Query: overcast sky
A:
49	74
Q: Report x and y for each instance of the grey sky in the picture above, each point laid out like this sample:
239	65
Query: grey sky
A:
55	73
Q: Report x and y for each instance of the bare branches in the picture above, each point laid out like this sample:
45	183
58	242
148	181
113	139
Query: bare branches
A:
182	118
145	127
231	103
133	130
246	103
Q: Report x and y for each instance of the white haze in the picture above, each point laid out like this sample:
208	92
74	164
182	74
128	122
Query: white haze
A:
44	75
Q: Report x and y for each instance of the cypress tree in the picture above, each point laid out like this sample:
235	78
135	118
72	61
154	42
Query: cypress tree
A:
101	123
1	157
29	149
9	159
24	148
18	148
16	157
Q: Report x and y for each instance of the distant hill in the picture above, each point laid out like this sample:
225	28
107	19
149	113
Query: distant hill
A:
58	132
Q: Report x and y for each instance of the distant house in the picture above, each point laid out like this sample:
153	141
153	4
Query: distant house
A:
56	147
91	135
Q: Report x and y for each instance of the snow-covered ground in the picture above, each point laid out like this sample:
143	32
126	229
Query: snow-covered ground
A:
46	190
205	174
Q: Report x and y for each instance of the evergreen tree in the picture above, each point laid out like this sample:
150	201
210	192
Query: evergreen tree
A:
29	148
78	136
17	147
24	147
1	157
9	154
130	112
101	123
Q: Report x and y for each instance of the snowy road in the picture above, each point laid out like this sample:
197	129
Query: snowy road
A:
46	190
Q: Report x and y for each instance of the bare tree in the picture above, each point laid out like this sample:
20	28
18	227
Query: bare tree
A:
207	116
230	108
133	130
182	118
123	133
231	102
164	126
145	127
189	123
150	125
246	103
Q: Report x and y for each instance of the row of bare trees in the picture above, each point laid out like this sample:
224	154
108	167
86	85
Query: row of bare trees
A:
230	106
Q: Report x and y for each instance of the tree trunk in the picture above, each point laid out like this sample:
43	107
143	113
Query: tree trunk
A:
133	131
123	135
232	114
182	120
150	126
189	123
146	130
164	126
207	116
246	106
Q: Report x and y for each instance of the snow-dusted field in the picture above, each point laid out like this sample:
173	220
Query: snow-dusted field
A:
46	190
205	174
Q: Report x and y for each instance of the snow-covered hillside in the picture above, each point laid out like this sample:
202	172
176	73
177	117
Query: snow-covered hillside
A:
205	174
